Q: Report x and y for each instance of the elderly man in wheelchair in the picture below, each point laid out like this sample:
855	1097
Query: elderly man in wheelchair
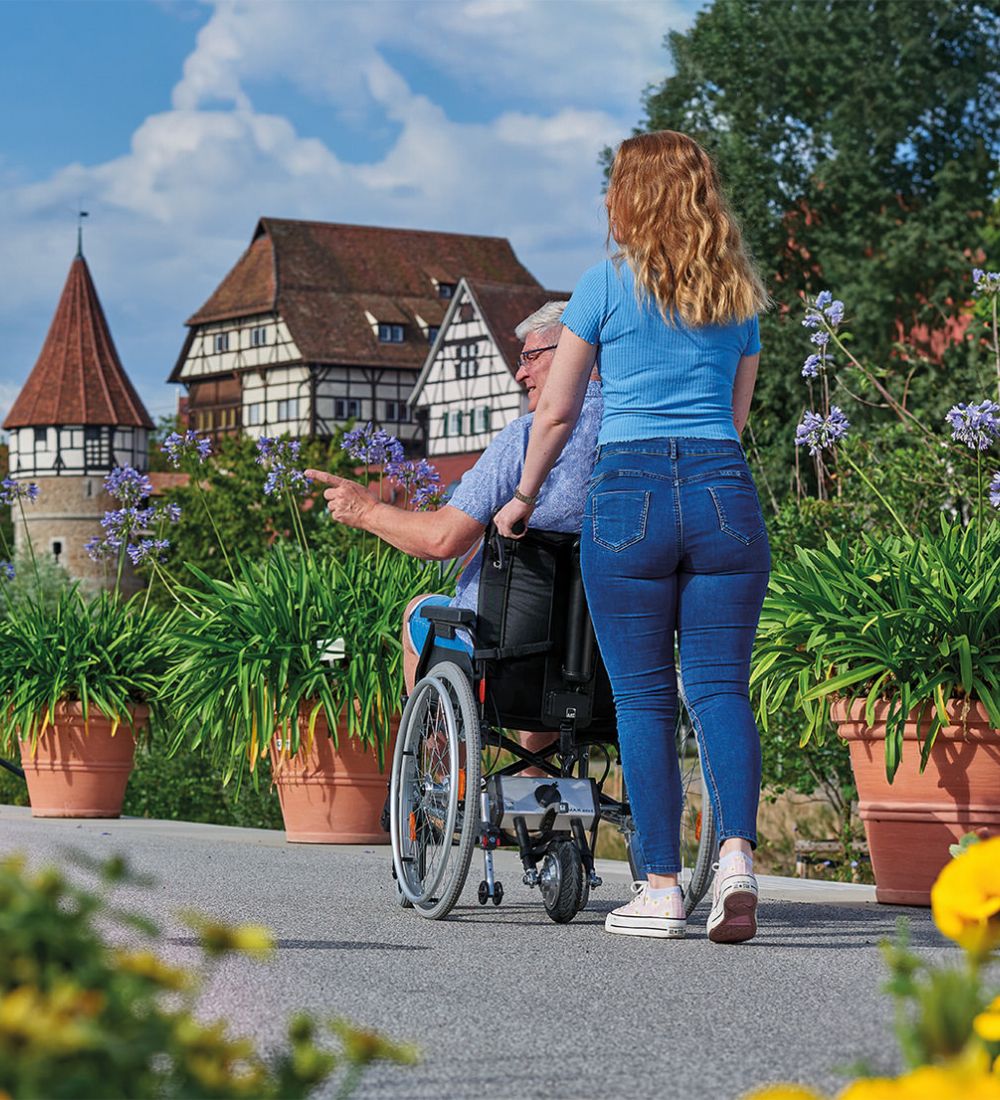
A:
513	651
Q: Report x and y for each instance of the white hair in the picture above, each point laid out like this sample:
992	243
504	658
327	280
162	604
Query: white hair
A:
542	320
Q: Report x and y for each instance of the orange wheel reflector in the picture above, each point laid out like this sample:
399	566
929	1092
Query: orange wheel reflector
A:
461	784
482	690
697	826
413	827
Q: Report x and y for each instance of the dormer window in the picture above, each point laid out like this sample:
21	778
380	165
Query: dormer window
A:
447	290
432	333
222	341
389	333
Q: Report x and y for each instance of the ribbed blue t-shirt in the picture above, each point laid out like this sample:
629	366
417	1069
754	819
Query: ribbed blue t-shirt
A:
659	378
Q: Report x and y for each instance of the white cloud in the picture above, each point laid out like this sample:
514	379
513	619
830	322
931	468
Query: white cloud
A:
172	214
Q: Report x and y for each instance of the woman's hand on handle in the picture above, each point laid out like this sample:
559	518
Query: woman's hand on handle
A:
512	519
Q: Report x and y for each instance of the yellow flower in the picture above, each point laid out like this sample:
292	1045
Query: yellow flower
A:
221	939
965	900
145	964
965	1078
987	1024
362	1046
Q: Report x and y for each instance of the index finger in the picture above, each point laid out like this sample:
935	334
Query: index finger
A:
322	475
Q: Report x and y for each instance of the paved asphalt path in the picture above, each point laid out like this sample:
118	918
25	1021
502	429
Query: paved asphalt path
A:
502	1002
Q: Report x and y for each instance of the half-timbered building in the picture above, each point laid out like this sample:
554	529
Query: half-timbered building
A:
466	392
77	417
319	324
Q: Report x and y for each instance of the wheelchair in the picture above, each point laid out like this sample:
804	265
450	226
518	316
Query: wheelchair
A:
534	666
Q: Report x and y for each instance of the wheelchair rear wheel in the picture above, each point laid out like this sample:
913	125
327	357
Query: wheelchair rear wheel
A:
434	791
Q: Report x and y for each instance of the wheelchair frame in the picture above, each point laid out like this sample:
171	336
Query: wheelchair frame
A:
435	824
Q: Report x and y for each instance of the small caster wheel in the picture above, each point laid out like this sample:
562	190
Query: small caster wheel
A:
484	892
497	893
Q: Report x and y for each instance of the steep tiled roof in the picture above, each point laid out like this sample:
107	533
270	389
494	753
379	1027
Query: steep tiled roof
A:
322	278
78	378
503	308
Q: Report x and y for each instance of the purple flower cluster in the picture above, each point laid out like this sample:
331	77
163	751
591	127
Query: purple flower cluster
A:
123	525
280	456
819	433
372	446
995	491
12	491
187	448
977	426
128	486
985	283
420	482
824	315
7	570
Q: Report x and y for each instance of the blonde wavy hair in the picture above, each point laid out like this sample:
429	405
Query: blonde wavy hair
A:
670	220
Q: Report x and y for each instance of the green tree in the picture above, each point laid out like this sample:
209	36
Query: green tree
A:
858	142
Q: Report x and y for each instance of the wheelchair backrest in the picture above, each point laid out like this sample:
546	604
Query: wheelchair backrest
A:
531	599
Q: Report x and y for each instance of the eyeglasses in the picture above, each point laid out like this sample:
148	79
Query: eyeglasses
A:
531	356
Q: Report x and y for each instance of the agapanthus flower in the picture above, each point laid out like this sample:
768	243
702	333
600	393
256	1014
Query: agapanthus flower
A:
170	512
187	447
7	570
99	549
995	491
428	498
835	312
820	433
372	446
127	485
985	282
282	451
147	549
977	426
285	479
812	366
820	339
12	491
812	319
823	299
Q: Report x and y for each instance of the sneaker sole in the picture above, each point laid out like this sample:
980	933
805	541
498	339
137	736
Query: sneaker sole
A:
739	918
656	927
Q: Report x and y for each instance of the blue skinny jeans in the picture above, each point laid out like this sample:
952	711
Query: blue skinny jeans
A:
675	555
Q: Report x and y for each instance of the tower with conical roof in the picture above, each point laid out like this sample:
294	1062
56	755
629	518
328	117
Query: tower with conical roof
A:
77	417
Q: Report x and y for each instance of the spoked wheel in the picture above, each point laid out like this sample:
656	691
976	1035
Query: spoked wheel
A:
434	793
699	838
561	881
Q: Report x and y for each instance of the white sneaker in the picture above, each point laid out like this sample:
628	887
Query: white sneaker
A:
733	918
662	918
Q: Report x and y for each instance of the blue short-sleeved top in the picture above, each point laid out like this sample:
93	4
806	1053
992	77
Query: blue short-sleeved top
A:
487	487
659	378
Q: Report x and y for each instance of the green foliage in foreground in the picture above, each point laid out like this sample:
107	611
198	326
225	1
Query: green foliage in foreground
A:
81	1017
914	621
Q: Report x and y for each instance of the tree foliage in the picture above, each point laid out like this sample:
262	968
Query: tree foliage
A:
858	142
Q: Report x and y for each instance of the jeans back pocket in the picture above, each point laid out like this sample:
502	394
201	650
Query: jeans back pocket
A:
619	517
739	511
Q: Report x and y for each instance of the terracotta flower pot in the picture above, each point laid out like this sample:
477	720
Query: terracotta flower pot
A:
78	769
911	822
328	794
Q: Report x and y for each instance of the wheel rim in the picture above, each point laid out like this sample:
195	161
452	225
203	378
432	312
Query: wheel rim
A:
550	879
425	795
692	800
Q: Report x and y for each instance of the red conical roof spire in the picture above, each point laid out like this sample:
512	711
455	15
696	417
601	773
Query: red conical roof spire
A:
78	378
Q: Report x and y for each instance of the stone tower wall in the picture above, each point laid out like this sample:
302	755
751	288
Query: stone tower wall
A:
69	511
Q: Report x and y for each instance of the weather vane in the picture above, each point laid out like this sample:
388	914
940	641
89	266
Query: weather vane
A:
80	215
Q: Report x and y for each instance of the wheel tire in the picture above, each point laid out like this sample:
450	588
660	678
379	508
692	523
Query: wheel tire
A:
451	686
562	881
497	893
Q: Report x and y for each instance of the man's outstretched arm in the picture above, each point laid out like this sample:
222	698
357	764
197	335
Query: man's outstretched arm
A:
438	536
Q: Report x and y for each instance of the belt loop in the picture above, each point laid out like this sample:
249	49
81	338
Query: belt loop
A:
673	448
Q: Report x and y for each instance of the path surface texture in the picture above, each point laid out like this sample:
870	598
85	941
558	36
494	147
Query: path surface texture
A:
502	1002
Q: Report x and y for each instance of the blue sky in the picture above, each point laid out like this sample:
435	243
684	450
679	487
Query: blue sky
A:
177	123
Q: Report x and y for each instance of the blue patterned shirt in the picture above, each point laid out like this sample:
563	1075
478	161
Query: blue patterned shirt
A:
487	487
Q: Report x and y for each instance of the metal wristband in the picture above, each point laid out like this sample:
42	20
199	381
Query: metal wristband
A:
524	498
